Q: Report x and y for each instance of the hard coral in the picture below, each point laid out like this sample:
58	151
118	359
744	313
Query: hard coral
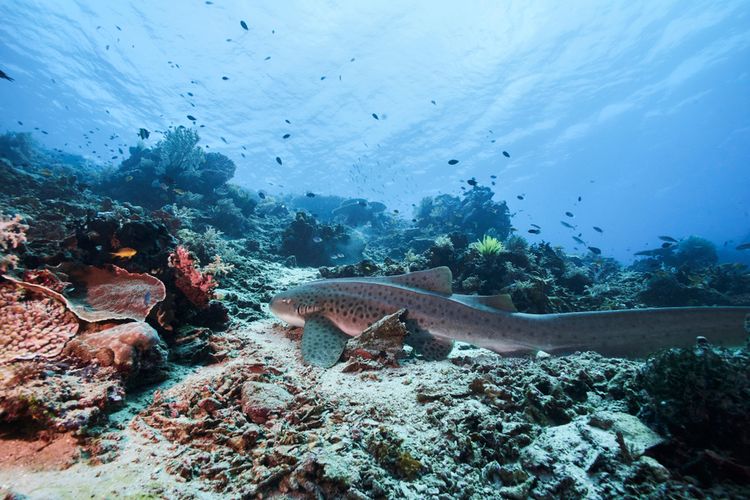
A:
32	324
196	286
12	235
106	293
131	348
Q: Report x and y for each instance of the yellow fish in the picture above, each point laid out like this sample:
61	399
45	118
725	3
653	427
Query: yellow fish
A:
124	253
179	191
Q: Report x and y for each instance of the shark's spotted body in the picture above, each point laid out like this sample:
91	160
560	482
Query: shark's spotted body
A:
333	310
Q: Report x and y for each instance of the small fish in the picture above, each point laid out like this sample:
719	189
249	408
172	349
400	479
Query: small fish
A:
569	226
743	246
310	194
579	198
5	76
225	78
579	240
667	244
46	172
493	177
322	78
179	191
506	154
128	178
223	140
433	102
519	196
288	122
374	115
286	136
598	229
536	226
278	160
472	182
668	238
535	231
317	239
124	253
191	118
143	134
569	214
244	25
595	251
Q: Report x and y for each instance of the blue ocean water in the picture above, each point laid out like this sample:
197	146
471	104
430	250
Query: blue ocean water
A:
640	109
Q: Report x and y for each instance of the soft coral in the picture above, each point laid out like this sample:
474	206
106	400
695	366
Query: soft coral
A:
198	287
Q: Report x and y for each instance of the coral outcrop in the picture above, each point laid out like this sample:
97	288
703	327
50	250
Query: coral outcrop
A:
32	324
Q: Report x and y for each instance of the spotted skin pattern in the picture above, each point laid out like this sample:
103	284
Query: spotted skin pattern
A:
352	304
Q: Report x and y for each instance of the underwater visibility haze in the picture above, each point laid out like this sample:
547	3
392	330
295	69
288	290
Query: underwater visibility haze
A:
420	249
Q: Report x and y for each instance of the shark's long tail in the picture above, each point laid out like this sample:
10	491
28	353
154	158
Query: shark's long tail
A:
638	332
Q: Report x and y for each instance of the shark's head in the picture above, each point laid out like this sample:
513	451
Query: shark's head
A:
293	305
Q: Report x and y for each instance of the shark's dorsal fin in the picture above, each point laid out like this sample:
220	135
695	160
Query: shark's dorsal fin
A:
437	279
501	301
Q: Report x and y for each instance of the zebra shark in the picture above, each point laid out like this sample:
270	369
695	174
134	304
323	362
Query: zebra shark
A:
334	310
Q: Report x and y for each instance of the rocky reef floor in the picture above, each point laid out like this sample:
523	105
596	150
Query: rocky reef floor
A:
261	424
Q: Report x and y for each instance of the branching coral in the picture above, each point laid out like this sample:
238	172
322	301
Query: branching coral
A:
197	287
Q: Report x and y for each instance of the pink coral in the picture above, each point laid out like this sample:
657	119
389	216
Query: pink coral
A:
198	287
100	294
131	348
12	235
32	324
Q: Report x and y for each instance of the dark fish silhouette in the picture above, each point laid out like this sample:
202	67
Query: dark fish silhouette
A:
143	133
374	115
286	136
472	182
261	195
225	78
506	154
536	226
579	240
668	238
598	229
579	198
569	214
595	251
520	196
535	231
5	76
569	226
191	118
452	162
310	195
278	160
244	25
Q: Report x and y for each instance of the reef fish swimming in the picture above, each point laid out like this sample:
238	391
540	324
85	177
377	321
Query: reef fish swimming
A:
331	311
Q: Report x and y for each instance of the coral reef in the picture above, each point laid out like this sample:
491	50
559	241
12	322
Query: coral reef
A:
197	286
32	324
12	235
315	244
134	349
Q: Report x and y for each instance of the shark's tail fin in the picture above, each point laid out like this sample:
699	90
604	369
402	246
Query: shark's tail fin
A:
639	332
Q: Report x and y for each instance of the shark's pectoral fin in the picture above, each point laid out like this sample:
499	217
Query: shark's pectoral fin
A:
430	347
322	341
